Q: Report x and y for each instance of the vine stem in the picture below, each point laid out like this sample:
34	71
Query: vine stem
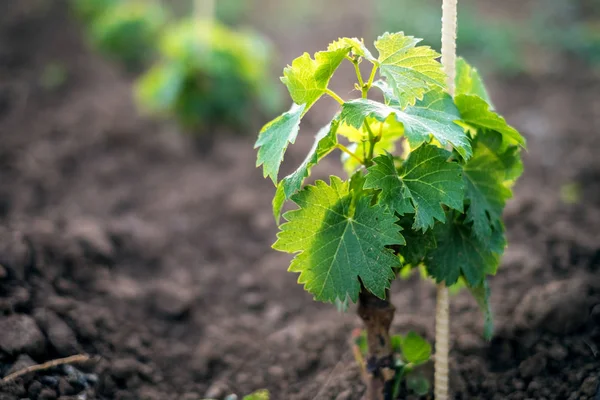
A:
369	159
442	315
377	316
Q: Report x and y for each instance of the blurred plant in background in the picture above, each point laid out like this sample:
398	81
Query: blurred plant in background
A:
124	30
89	10
200	73
209	75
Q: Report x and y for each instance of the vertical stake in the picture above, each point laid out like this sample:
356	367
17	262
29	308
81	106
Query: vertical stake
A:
442	315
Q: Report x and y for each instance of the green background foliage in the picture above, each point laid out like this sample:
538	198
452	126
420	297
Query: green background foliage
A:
200	73
208	75
124	30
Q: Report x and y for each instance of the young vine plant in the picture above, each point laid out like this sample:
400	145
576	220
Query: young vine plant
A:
428	174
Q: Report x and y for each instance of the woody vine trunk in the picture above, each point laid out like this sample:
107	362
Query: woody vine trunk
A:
377	316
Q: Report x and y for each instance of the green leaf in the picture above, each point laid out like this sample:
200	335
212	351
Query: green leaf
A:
415	349
339	242
325	141
262	394
468	81
476	113
424	183
342	305
432	181
481	294
459	252
509	157
389	97
274	138
395	344
158	89
417	383
307	79
394	194
434	116
361	342
486	193
410	71
418	243
357	47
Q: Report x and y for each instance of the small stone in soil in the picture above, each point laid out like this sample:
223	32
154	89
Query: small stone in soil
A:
558	352
93	238
171	302
78	382
20	334
59	334
92	379
246	281
276	371
345	395
65	388
216	390
274	313
589	386
47	394
534	387
470	343
18	299
75	378
15	254
253	300
533	366
48	380
125	368
34	389
518	384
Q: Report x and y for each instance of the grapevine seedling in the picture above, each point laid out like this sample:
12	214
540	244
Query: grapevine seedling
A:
428	178
127	31
208	76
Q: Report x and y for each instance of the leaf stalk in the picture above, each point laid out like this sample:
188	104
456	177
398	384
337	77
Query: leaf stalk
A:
372	77
361	83
332	94
350	153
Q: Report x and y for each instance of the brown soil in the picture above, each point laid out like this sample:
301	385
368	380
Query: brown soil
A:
118	240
